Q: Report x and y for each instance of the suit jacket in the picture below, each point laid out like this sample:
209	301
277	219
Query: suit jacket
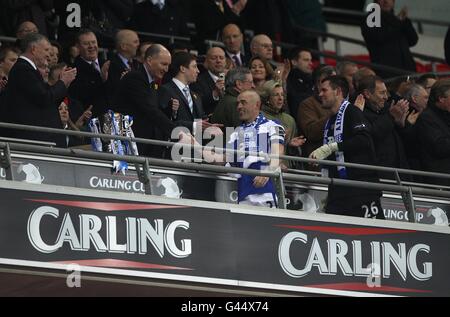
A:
89	88
170	20
138	98
116	69
205	86
30	101
185	117
209	21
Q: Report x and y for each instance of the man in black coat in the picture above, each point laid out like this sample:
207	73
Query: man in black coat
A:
127	43
434	135
211	83
210	16
347	138
89	86
165	17
389	43
299	83
384	120
233	40
137	96
28	99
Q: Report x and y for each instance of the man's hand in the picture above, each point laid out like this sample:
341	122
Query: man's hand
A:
324	151
298	141
85	117
68	75
413	116
403	14
399	111
260	181
105	70
175	104
360	102
219	88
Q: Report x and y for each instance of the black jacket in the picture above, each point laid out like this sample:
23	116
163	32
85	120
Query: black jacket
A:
205	86
170	20
88	87
138	98
184	117
358	147
116	69
389	44
299	86
209	21
29	100
389	147
434	138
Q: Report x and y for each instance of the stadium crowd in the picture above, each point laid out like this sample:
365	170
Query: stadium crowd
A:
55	76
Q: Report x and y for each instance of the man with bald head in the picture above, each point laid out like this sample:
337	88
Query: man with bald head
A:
127	44
233	39
211	84
256	134
262	46
137	95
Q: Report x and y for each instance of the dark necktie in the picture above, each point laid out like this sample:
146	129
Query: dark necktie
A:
236	61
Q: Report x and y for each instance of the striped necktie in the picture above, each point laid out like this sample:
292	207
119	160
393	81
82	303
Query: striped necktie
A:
187	94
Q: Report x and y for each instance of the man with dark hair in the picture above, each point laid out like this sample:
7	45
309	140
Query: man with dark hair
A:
347	69
384	120
389	43
28	99
137	95
427	81
311	116
89	87
181	104
211	83
299	82
347	139
434	136
8	57
237	81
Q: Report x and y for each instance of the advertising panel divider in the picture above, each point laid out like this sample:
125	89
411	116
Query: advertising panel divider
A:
203	242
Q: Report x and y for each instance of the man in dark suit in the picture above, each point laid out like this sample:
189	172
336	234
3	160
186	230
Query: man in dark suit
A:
137	96
28	99
188	109
127	44
233	39
89	87
162	17
211	83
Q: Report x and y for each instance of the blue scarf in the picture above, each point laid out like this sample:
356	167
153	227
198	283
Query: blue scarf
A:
338	137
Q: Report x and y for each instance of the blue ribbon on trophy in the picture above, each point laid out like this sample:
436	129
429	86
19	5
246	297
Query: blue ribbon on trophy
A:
94	126
116	145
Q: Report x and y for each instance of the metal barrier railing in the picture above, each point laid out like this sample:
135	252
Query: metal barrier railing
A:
339	38
142	166
354	13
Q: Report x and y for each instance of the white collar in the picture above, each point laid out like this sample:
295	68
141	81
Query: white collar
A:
150	78
179	84
123	59
214	77
90	62
29	61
